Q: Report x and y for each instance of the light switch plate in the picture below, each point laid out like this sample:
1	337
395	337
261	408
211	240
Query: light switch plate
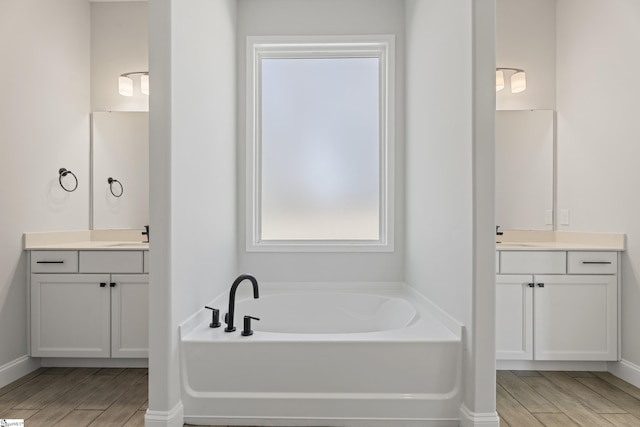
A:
548	217
564	216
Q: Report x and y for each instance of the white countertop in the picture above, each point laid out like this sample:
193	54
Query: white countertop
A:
86	240
511	240
89	245
516	240
552	246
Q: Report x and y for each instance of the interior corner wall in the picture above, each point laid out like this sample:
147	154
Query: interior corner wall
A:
324	17
526	38
450	115
203	155
119	44
44	126
598	134
193	173
439	154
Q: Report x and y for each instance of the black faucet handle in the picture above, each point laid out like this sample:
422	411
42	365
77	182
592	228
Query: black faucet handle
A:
246	330
146	233
215	317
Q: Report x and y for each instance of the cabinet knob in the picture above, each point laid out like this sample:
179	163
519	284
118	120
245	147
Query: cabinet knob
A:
102	285
531	285
113	285
541	285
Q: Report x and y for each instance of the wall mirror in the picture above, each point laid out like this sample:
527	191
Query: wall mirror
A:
119	170
525	169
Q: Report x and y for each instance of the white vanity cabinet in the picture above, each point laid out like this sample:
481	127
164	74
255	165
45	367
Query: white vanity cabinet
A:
514	317
564	308
89	304
70	315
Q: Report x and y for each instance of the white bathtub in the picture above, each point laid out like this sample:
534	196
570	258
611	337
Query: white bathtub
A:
326	313
339	358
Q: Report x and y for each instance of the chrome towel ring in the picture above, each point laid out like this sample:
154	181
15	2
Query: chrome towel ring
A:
111	181
62	172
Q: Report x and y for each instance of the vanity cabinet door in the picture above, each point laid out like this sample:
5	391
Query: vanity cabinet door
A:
514	317
130	315
70	315
575	317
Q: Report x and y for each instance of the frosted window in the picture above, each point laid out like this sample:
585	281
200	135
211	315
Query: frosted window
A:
320	149
320	146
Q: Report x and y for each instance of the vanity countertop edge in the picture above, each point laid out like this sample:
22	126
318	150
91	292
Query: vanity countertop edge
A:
531	240
91	240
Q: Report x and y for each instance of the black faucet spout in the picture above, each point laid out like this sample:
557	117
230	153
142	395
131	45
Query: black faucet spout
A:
232	298
146	233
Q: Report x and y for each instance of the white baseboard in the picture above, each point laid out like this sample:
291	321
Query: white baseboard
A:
478	419
550	365
625	370
325	422
93	362
172	418
18	368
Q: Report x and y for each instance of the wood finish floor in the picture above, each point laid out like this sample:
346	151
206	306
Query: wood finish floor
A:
77	397
539	398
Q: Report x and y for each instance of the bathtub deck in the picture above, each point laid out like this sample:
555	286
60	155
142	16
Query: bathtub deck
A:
427	329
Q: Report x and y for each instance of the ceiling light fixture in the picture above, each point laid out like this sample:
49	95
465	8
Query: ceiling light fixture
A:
125	83
499	80
518	79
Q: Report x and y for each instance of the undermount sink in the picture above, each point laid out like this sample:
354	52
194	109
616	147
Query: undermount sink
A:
520	245
127	245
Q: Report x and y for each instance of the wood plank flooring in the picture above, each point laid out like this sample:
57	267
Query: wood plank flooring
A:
544	398
77	397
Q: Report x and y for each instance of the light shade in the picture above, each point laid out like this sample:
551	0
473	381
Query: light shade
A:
499	80
125	86
518	79
125	83
518	82
144	84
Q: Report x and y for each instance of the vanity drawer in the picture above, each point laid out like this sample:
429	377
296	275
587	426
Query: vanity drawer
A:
54	261
111	262
582	262
533	262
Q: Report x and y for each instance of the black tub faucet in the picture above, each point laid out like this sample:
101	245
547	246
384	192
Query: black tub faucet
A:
232	298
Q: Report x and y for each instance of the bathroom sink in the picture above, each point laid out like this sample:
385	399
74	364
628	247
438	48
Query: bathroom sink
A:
519	245
141	245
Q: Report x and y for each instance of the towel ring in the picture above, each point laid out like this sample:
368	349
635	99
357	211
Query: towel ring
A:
111	181
62	172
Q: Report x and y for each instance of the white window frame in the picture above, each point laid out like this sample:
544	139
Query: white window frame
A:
374	46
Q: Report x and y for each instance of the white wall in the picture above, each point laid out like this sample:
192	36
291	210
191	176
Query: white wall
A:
326	17
439	154
119	44
44	125
193	173
598	133
449	176
525	38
